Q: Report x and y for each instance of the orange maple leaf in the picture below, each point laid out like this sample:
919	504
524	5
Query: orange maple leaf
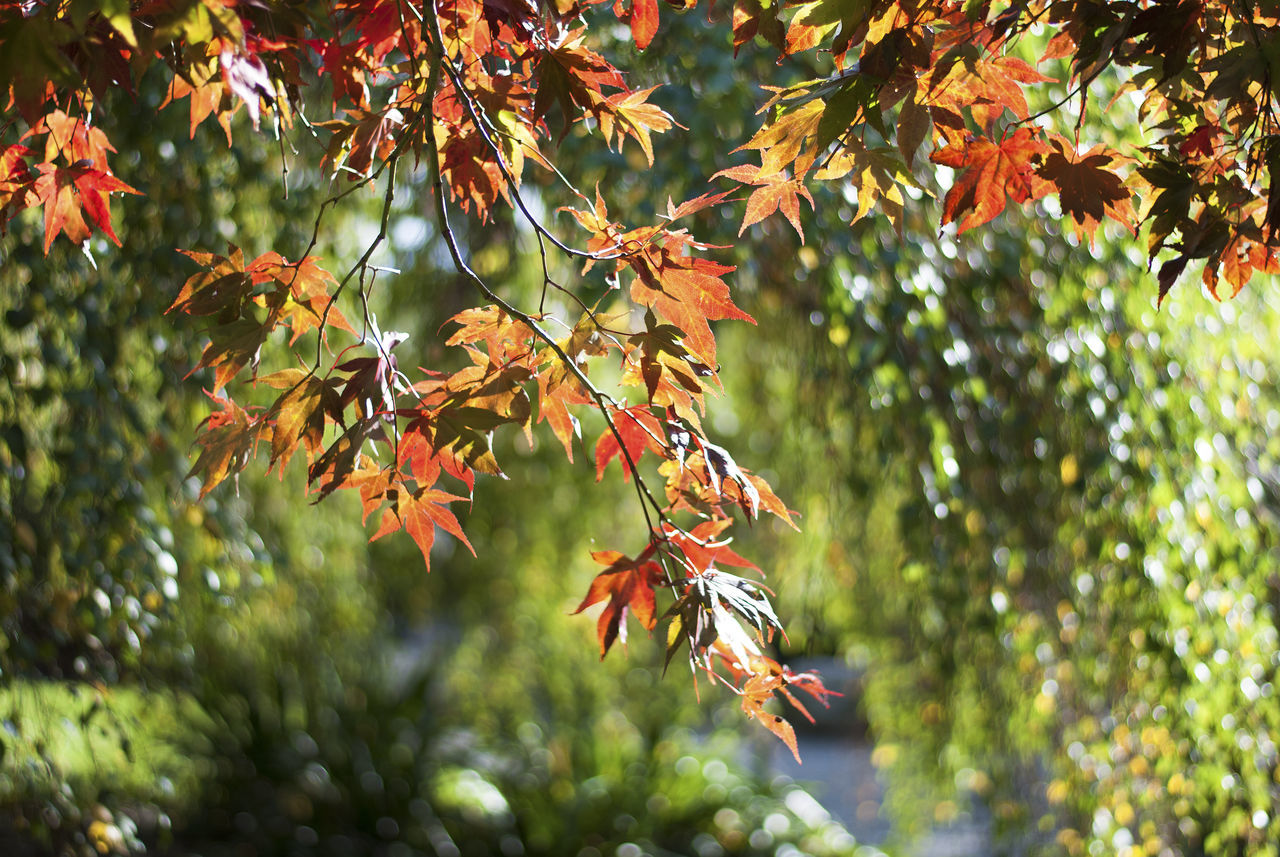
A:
639	429
992	173
775	192
686	290
628	584
419	513
629	114
643	17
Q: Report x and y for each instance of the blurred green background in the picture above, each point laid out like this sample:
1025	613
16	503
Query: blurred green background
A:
1039	545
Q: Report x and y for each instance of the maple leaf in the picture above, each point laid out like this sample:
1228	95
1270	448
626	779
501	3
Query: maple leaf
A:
361	140
776	192
1200	143
15	182
303	296
628	584
913	127
640	430
1239	259
879	176
559	389
987	86
502	335
299	413
755	693
991	173
66	191
816	20
702	549
471	171
73	139
206	99
753	18
628	114
232	347
780	141
342	64
698	486
226	444
1087	185
221	289
686	290
643	17
569	74
669	371
334	468
558	394
419	513
463	410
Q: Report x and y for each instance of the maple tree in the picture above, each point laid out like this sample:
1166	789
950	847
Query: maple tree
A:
480	91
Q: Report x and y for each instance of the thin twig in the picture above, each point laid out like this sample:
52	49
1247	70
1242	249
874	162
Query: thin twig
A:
602	401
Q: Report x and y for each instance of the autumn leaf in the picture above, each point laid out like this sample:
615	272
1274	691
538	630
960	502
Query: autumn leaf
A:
777	192
501	335
226	443
669	372
304	295
755	693
68	193
817	20
1087	185
640	431
753	18
419	513
878	174
56	192
629	114
299	413
232	347
74	140
569	74
643	16
687	290
360	141
628	584
221	290
16	181
780	141
987	86
991	173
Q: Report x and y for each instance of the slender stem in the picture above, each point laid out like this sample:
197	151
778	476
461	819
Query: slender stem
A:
602	401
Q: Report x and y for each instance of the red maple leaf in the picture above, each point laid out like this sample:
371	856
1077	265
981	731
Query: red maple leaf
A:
68	193
628	584
643	17
639	429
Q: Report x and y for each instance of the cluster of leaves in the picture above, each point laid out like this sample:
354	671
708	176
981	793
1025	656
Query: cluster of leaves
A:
479	90
471	88
951	78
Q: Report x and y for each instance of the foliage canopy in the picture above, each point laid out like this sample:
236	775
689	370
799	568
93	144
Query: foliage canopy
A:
473	96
